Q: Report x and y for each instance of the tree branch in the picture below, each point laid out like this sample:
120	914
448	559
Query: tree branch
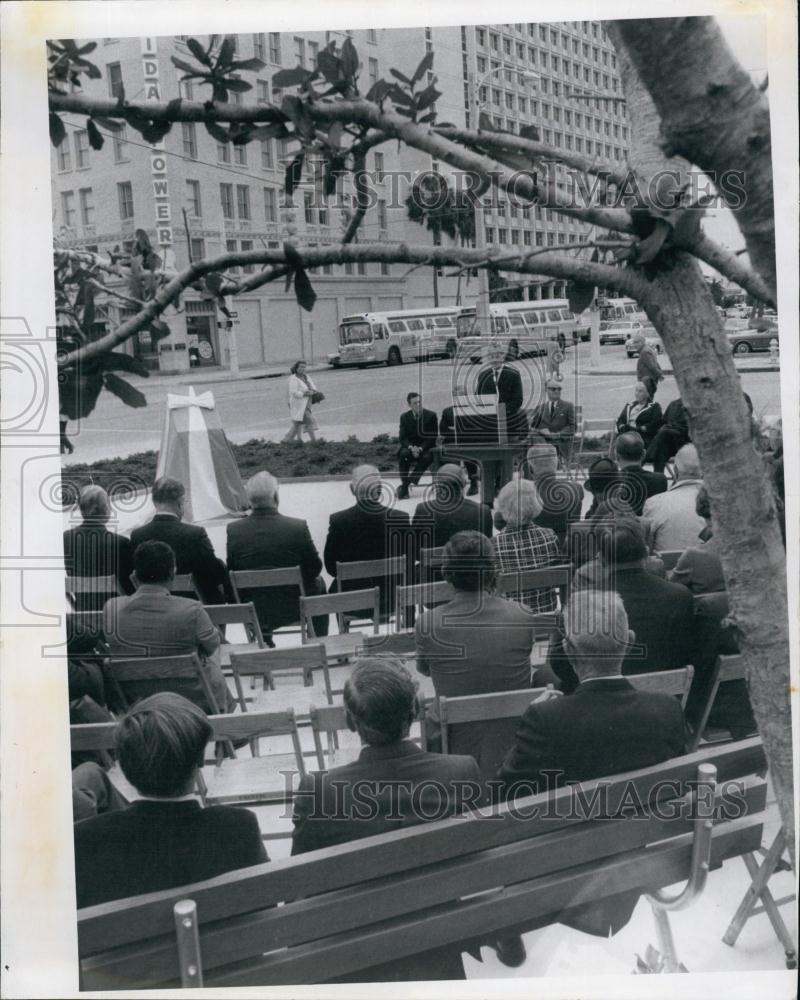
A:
732	267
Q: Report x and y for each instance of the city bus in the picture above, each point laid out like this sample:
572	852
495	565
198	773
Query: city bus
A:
612	310
525	328
395	336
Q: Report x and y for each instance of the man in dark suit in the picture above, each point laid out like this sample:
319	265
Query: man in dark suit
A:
90	549
642	484
436	521
193	550
447	435
562	499
166	839
606	727
554	420
399	784
501	380
418	430
670	437
269	540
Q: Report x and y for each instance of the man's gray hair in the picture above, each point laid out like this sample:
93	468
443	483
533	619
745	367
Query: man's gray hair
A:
596	625
262	490
365	481
687	463
542	458
518	503
93	502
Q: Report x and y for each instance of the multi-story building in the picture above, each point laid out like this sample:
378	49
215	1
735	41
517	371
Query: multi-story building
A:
195	195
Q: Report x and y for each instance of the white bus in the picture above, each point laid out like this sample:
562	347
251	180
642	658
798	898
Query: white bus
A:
525	328
612	310
395	336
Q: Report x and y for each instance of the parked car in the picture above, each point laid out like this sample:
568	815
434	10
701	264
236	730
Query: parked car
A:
618	331
745	341
653	340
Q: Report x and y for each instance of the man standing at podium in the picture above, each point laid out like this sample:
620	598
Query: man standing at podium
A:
503	381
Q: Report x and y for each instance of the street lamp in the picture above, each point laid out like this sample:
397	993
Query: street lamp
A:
482	305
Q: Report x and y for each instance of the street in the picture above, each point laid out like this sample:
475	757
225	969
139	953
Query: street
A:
366	402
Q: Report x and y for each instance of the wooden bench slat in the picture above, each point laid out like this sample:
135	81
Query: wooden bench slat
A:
114	923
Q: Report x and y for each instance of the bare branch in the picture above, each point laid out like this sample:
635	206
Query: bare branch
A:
730	266
362	197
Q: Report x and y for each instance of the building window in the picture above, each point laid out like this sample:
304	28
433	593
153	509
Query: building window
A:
63	154
300	51
495	96
68	208
245	246
373	70
243	201
125	195
81	149
385	269
490	235
240	155
114	76
189	140
193	198
507	46
308	207
542	32
494	42
275	48
526	237
223	152
515	236
532	56
544	59
262	91
555	64
186	90
372	36
520	51
382	223
313	52
230	247
270	205
539	238
348	267
502	236
510	101
551	239
120	142
480	36
197	249
267	158
226	197
379	168
361	268
259	50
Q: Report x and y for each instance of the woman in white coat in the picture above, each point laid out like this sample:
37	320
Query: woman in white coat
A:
301	390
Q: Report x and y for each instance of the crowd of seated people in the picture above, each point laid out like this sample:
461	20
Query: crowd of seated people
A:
625	615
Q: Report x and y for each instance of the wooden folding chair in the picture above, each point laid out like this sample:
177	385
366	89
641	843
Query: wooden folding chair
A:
670	558
87	623
342	646
727	668
430	564
222	615
183	583
267	663
141	676
485	707
675	682
78	587
419	596
343	746
521	581
245	581
400	644
391	572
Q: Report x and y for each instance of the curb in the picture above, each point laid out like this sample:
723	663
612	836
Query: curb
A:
605	372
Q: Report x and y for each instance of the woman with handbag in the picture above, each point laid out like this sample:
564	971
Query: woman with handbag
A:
302	395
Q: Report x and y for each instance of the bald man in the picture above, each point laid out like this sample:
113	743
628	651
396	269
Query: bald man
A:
435	521
367	530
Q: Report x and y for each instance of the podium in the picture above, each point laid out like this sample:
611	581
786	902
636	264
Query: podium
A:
481	436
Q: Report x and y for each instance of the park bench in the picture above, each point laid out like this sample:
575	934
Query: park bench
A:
456	880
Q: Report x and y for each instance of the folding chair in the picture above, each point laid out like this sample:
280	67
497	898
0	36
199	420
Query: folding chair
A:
236	614
391	572
342	646
302	660
400	644
727	668
674	682
141	676
670	558
87	623
183	583
419	596
430	564
245	581
485	707
520	581
332	721
78	587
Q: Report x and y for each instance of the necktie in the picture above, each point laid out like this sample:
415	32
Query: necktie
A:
552	410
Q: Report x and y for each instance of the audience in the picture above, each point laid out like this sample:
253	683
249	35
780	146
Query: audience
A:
629	450
699	567
604	483
673	524
400	784
419	429
164	839
267	539
553	421
522	545
90	549
641	415
93	792
561	499
671	436
154	622
435	521
193	550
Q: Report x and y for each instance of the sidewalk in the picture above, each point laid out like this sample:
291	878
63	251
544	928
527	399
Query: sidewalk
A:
627	367
208	376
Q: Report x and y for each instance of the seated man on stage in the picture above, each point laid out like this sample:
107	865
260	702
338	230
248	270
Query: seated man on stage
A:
503	381
671	436
418	430
554	420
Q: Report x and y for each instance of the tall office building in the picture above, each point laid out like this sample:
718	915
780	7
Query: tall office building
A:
195	195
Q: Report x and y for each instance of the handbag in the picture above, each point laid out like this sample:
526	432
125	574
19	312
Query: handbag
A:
317	396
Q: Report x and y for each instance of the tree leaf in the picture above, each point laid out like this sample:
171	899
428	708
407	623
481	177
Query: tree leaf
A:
213	282
330	65
184	67
93	72
422	69
109	123
305	294
249	64
349	59
95	136
275	130
529	132
400	76
580	295
174	106
399	96
427	97
237	86
485	122
217	132
226	52
335	134
294	173
57	130
155	131
84	50
116	362
219	92
124	390
378	91
198	51
293	258
158	330
291	77
430	117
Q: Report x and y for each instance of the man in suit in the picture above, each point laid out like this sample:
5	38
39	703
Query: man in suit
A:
155	622
606	727
165	839
673	523
267	539
436	521
400	786
501	380
447	435
418	430
670	437
561	499
648	370
90	549
193	550
554	420
629	450
368	530
660	613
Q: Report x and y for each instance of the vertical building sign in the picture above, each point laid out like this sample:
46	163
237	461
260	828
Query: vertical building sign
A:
158	159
